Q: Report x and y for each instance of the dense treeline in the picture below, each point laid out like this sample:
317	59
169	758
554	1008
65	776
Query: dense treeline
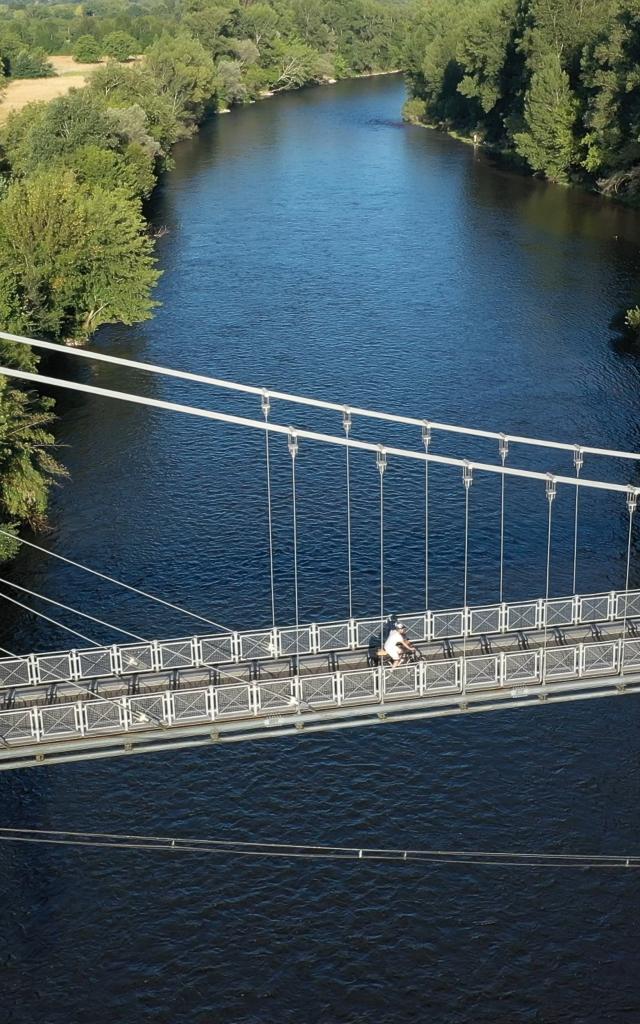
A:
75	250
555	81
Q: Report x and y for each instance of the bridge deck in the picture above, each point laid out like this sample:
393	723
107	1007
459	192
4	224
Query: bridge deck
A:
261	697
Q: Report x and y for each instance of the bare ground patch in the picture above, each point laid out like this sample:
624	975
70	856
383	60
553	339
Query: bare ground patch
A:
69	75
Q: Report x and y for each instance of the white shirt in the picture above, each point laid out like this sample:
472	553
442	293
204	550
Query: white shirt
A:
391	644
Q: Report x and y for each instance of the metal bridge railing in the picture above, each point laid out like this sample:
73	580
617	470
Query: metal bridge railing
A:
259	700
315	638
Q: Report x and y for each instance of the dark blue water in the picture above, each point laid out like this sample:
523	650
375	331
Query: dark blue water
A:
315	244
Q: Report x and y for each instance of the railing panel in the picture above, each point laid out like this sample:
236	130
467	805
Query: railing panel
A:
522	616
560	612
17	725
593	609
365	630
103	716
277	696
440	677
217	649
190	705
319	690
257	645
296	641
137	658
95	662
148	709
334	636
599	658
486	620
446	624
628	604
15	672
177	654
58	720
402	682
560	661
632	654
54	668
522	667
416	626
233	701
481	673
360	686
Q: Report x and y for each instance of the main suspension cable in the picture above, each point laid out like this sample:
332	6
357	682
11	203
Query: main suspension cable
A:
199	378
245	421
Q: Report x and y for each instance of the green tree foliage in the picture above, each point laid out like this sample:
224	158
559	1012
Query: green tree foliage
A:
184	73
547	142
87	50
556	81
119	46
72	257
30	64
27	465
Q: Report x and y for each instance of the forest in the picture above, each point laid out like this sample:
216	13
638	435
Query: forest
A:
556	83
75	173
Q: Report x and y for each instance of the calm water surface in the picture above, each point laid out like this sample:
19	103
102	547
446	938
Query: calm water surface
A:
315	244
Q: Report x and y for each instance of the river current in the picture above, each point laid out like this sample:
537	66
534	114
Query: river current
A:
316	244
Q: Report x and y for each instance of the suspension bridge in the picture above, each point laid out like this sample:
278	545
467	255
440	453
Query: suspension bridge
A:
220	685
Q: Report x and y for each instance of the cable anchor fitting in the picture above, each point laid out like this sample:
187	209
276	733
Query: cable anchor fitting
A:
578	459
551	487
292	443
426	435
381	460
346	420
467	475
265	402
632	500
503	448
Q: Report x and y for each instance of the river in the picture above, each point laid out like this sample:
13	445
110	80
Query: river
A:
316	244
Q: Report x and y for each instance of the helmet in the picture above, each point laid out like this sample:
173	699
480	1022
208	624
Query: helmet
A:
400	626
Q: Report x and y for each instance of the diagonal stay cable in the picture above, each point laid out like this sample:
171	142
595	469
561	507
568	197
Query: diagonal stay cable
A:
75	611
118	583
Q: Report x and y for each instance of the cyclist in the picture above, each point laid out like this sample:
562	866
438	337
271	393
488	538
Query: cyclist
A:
397	643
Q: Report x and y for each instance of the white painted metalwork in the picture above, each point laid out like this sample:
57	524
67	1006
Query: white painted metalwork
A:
347	635
513	671
318	403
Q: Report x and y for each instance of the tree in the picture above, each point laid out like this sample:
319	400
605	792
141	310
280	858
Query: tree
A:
72	257
119	46
27	467
87	50
483	51
230	85
547	142
295	64
184	72
41	132
30	64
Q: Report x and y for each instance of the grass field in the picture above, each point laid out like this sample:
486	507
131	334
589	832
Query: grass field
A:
69	75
